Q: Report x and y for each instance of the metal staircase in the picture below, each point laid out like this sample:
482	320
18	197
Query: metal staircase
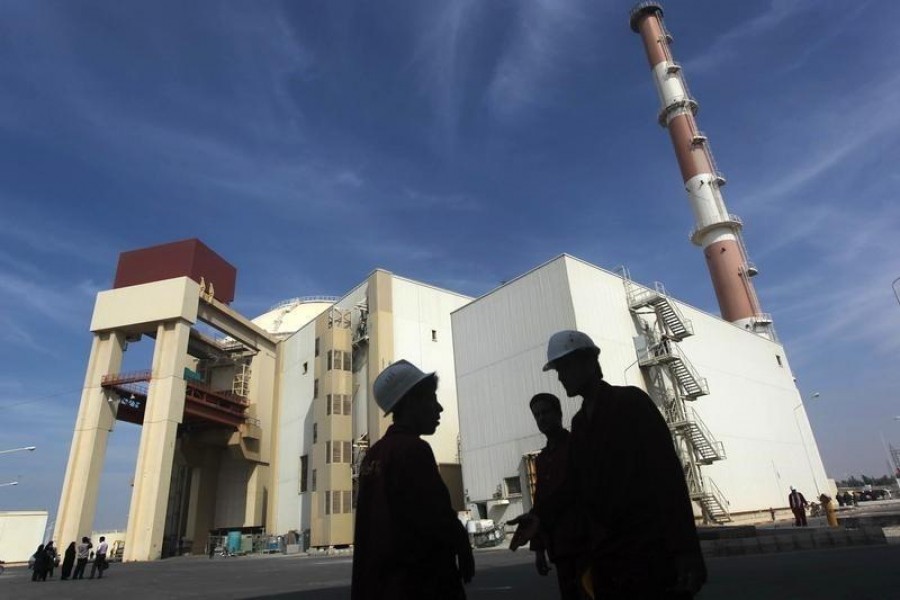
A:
676	325
707	449
673	381
667	353
708	495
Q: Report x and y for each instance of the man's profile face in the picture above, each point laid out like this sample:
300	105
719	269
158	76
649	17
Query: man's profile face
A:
547	417
425	412
574	372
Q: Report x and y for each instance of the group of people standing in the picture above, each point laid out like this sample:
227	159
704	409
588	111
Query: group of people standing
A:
46	559
410	544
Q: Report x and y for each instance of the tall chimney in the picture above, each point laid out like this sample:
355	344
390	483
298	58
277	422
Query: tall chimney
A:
716	231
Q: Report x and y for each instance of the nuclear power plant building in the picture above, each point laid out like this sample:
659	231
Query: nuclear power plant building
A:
727	394
258	426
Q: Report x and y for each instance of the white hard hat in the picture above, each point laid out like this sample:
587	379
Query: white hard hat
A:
395	381
563	343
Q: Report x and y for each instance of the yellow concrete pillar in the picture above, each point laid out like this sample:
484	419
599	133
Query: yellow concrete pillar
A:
165	409
256	496
381	345
96	415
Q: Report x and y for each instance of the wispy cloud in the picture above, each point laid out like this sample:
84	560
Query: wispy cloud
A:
729	44
441	58
540	43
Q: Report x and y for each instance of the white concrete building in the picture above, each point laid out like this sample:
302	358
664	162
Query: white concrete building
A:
327	416
20	534
728	394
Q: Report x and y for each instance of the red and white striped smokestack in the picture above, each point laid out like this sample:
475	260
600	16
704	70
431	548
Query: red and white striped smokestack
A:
716	231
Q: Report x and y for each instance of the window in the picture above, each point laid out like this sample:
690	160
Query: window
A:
348	452
304	464
317	346
338	360
336	452
346	502
315	432
328	452
328	404
778	358
513	486
327	498
315	388
336	502
305	368
434	335
312	483
346	402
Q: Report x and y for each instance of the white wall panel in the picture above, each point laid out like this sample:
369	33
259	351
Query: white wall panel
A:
294	425
20	534
422	335
754	408
500	348
601	311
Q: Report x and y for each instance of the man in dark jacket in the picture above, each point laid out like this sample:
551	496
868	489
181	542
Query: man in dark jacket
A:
409	543
642	546
560	537
798	506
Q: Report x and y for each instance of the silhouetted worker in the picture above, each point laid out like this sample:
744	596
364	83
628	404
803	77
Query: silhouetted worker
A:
560	535
798	506
409	543
642	545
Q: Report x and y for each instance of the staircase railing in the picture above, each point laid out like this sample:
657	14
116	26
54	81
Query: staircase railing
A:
668	351
718	447
713	490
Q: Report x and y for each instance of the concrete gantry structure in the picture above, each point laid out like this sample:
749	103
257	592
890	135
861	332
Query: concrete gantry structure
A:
258	427
204	445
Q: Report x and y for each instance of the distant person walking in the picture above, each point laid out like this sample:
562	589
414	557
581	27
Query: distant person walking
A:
82	551
830	511
408	544
52	558
560	536
68	561
39	568
798	506
100	559
642	545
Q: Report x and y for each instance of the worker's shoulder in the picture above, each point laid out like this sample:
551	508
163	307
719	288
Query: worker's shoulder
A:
629	394
402	442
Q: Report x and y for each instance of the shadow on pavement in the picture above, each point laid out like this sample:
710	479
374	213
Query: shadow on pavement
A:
507	582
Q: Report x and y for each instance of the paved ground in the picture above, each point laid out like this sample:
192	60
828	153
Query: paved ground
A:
861	573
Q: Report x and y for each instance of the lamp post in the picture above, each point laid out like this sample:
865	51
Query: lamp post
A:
24	449
803	440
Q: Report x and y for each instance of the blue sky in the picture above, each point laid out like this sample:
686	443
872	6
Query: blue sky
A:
458	143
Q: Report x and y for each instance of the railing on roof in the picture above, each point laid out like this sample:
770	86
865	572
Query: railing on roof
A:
304	300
